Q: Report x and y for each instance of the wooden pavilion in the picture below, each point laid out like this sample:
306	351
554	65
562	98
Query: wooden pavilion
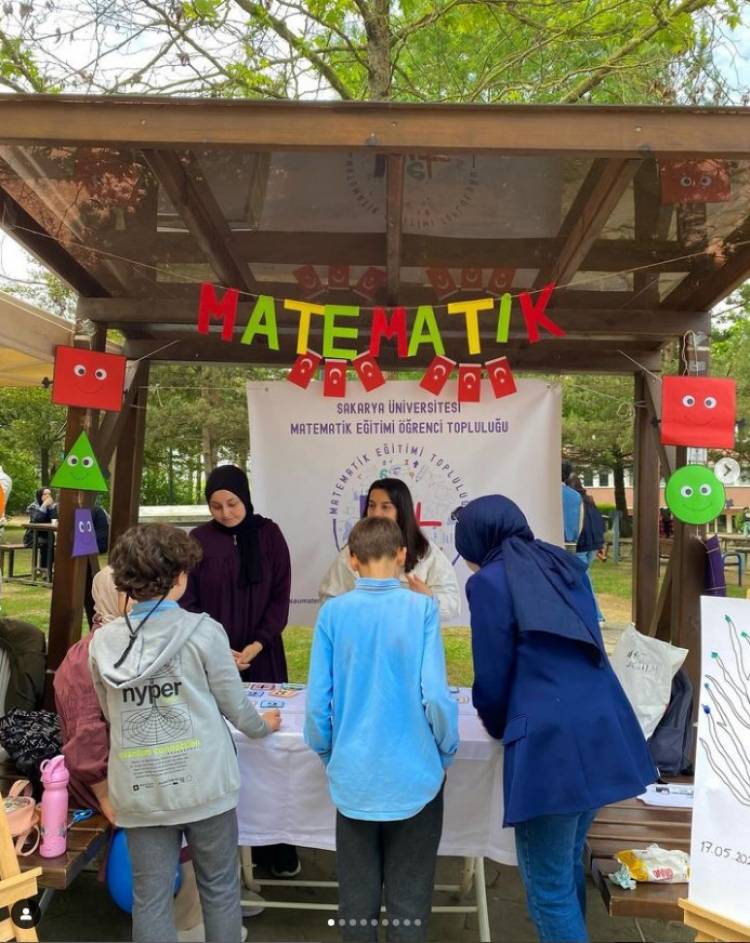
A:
640	215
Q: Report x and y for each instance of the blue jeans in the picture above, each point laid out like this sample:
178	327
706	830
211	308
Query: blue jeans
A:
587	557
550	861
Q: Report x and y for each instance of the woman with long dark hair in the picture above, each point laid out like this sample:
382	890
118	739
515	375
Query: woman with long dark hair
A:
544	686
427	570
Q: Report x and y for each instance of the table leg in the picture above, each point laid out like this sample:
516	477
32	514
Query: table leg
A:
50	554
246	864
467	875
34	554
480	889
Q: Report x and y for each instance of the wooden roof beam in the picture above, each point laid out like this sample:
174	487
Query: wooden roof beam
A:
191	196
394	211
605	323
553	357
46	249
702	288
393	127
597	197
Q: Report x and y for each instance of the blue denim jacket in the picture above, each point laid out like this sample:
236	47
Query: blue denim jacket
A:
379	713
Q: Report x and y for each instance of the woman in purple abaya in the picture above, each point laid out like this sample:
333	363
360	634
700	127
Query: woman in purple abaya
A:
244	581
244	578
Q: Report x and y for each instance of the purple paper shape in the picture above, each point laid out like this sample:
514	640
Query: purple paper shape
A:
84	538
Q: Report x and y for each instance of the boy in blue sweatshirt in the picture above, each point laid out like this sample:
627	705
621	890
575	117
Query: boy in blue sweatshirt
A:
380	716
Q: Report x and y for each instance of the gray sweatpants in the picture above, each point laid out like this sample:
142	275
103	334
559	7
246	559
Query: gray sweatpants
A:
154	853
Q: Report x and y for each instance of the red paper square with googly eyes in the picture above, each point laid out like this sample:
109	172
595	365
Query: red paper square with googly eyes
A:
695	181
698	411
88	378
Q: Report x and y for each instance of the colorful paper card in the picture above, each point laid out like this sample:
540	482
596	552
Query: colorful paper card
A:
695	495
695	181
88	378
698	411
84	537
80	470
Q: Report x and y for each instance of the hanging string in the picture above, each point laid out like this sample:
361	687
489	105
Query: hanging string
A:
187	279
640	365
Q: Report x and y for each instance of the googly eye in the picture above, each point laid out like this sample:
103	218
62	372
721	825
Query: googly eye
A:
706	181
705	490
686	181
79	370
710	402
688	400
87	462
80	527
72	460
88	526
100	373
686	491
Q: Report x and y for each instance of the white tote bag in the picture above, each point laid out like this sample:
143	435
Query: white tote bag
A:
645	667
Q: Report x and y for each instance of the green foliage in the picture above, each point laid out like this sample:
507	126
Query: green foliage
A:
32	430
730	357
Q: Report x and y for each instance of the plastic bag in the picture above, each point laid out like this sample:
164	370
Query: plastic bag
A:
656	864
645	668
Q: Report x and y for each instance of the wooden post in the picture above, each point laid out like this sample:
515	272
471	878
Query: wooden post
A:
645	511
71	573
128	467
689	557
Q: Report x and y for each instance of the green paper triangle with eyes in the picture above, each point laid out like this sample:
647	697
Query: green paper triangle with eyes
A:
80	470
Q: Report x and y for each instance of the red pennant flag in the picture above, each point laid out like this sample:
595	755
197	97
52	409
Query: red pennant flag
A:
501	280
303	369
436	375
469	382
442	281
308	280
501	377
368	371
334	378
471	278
338	276
370	282
694	181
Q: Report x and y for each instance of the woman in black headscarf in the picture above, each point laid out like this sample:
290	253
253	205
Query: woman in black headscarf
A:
41	511
544	686
244	578
243	581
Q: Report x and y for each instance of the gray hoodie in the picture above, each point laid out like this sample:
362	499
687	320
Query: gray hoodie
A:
171	756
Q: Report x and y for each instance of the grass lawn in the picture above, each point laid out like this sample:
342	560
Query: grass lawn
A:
611	583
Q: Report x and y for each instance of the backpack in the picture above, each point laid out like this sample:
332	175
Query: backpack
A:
23	817
671	742
30	737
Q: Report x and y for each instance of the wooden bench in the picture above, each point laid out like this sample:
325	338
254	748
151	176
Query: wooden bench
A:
632	824
86	840
10	549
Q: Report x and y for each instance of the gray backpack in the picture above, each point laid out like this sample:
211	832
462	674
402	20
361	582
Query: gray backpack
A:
671	742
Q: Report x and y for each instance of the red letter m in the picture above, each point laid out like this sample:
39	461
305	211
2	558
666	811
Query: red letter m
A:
382	327
225	310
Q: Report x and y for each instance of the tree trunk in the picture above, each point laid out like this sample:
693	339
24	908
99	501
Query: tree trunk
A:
170	477
621	502
44	465
379	67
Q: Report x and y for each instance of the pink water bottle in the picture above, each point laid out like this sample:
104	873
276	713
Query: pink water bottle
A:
54	807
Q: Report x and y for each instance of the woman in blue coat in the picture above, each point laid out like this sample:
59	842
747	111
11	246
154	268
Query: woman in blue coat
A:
543	684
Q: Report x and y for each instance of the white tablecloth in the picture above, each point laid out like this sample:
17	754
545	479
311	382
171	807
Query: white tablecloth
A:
284	791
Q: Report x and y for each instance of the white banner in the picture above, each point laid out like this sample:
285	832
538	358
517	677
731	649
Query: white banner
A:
720	840
313	459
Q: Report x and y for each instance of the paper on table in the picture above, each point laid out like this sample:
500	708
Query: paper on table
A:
674	796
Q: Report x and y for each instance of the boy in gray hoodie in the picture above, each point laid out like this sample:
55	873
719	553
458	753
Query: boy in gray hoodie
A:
166	680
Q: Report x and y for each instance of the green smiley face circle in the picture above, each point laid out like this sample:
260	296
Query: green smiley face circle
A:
695	495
